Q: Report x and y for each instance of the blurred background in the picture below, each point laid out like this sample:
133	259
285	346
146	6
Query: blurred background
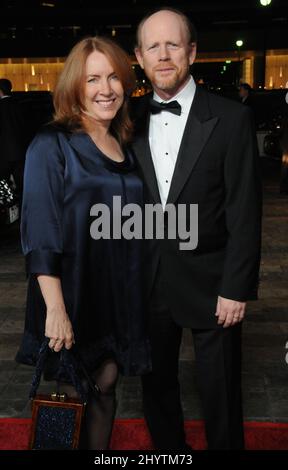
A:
238	42
243	55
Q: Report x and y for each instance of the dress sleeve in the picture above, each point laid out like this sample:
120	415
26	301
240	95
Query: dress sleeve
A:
42	208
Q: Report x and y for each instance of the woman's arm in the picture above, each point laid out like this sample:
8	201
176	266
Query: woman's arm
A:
42	231
58	326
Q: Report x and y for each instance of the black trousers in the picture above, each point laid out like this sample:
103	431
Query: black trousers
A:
218	367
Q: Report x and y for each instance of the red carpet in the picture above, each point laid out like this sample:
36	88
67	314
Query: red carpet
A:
131	434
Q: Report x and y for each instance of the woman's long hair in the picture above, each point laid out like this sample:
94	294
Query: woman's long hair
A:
68	97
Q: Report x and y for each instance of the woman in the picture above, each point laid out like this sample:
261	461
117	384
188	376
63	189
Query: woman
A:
82	290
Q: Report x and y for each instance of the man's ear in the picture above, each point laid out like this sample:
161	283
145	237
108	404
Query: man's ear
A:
138	53
192	52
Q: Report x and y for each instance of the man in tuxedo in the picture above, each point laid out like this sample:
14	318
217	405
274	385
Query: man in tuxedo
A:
194	147
245	91
247	98
12	136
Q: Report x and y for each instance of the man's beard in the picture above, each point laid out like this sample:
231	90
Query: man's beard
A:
166	83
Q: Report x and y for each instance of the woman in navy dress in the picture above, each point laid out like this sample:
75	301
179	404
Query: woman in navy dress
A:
84	290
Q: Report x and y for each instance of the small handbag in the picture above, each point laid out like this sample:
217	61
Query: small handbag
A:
57	418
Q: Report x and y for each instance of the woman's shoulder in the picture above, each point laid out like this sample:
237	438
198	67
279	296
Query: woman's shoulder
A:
48	145
49	136
51	132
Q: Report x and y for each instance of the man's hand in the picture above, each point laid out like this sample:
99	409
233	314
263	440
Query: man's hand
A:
229	312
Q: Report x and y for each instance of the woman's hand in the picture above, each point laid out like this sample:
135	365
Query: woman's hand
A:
59	329
58	326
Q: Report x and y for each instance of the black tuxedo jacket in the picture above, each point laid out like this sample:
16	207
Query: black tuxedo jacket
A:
216	168
12	134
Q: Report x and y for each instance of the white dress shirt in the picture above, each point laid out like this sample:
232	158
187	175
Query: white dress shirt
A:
165	135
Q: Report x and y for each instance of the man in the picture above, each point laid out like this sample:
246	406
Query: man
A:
12	136
247	98
245	93
204	154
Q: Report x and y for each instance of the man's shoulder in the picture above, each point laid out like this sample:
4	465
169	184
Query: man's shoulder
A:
9	102
223	105
139	106
140	100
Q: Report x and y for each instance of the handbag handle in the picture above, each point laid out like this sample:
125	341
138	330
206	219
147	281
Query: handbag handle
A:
67	359
93	385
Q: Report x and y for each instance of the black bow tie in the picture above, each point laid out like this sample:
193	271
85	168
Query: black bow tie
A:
173	107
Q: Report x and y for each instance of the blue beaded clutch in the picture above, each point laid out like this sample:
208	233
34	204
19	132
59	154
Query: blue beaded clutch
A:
56	422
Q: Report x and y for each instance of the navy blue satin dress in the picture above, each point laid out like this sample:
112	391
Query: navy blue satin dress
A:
102	280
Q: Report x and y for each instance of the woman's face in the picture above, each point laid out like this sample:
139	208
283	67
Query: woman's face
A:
104	93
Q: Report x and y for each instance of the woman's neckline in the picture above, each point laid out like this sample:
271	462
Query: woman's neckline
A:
116	162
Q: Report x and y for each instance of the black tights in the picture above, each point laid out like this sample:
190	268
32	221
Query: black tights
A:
100	412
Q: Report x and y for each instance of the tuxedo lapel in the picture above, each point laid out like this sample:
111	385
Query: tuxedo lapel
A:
142	149
198	128
144	158
197	131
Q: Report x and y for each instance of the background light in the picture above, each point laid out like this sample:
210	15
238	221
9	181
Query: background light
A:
265	3
239	43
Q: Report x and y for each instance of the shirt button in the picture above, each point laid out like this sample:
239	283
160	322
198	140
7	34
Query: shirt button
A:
166	153
166	181
166	123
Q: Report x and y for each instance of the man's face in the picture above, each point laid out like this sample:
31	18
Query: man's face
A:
165	53
243	92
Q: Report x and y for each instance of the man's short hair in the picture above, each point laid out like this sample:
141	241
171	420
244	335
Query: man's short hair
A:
191	30
246	86
5	86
